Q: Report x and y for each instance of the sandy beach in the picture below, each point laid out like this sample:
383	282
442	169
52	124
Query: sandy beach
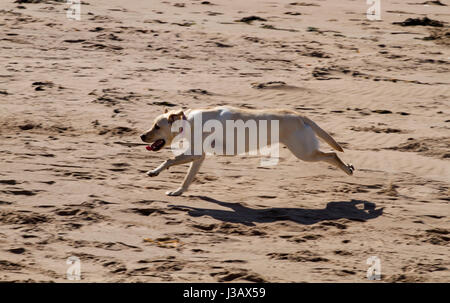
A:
70	89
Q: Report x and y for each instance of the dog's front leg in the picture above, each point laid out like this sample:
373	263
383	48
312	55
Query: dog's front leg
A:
193	170
180	159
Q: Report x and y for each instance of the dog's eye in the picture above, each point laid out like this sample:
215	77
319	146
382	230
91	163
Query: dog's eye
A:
156	126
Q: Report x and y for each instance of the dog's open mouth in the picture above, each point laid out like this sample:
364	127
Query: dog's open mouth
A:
157	145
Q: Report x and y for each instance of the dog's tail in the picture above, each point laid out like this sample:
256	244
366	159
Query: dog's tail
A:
323	134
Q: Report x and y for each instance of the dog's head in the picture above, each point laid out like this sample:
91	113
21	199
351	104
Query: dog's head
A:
160	134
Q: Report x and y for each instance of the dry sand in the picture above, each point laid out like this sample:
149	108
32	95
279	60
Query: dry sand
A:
70	89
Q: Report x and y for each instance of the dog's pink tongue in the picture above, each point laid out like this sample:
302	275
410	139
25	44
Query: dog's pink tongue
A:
148	147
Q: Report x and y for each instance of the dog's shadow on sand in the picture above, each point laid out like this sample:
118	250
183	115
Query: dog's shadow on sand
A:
250	216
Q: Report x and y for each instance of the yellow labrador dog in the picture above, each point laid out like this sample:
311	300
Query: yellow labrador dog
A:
287	127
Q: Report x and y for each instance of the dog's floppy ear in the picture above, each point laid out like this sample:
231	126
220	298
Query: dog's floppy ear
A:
176	116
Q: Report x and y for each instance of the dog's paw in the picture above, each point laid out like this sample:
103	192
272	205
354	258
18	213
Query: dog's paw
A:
351	169
175	193
152	173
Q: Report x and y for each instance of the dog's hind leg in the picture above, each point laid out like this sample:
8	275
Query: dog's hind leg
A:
193	170
309	152
305	147
333	159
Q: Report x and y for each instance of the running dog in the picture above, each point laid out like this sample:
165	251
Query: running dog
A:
296	132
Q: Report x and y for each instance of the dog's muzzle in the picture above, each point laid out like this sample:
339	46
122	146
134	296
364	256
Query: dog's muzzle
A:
157	145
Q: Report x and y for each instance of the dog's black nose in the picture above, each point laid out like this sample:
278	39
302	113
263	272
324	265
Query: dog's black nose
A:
143	137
